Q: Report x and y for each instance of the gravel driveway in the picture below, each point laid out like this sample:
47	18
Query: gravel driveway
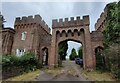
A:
71	73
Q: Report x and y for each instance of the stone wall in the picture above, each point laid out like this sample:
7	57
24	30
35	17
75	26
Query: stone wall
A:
97	41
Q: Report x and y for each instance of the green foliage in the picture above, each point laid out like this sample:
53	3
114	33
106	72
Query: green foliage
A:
9	61
2	20
112	39
0	59
73	54
112	24
100	61
62	50
27	62
113	59
80	53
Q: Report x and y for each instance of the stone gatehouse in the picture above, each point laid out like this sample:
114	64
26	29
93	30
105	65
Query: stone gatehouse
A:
32	34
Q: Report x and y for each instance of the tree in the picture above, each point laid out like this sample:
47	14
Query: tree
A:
2	20
73	54
63	46
80	53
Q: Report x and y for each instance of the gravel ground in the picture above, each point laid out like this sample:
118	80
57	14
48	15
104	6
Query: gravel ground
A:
71	73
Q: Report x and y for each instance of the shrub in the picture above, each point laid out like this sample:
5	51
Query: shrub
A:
25	63
29	62
112	55
9	61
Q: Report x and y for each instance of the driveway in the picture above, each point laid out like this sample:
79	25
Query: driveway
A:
71	73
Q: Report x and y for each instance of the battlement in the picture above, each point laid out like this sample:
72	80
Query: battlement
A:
99	25
100	21
30	20
71	23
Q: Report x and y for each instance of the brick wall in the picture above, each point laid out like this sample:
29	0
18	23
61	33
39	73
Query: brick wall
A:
37	31
99	26
7	40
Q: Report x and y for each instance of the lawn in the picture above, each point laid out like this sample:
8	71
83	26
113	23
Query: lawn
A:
98	76
25	77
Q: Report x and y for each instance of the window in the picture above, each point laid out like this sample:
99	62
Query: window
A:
20	52
23	35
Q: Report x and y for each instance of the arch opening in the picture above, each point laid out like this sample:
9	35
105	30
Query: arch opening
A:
76	33
69	33
100	59
45	56
70	50
58	34
63	34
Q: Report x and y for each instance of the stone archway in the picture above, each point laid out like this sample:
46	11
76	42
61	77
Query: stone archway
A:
72	40
98	49
76	30
100	58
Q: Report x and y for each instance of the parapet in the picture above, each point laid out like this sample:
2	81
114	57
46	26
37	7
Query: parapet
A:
30	20
8	29
71	23
101	20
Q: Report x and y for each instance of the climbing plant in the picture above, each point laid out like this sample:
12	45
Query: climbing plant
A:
112	38
112	24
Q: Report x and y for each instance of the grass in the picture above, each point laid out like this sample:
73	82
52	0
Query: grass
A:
55	71
25	77
98	76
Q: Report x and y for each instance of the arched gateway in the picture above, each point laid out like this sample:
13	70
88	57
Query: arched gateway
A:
75	30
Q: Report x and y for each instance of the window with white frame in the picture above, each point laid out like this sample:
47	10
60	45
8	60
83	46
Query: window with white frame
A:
20	52
23	35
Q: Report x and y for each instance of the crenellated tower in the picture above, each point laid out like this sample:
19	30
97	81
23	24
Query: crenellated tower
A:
30	21
30	33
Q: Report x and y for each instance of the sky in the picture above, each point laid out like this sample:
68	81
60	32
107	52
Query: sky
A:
53	10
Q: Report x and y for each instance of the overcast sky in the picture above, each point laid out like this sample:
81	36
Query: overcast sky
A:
53	10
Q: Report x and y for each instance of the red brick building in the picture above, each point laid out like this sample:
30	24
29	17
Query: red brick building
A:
6	42
32	34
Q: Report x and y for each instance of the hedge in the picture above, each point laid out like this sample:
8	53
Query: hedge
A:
25	63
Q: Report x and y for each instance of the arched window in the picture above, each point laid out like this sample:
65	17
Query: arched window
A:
23	35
